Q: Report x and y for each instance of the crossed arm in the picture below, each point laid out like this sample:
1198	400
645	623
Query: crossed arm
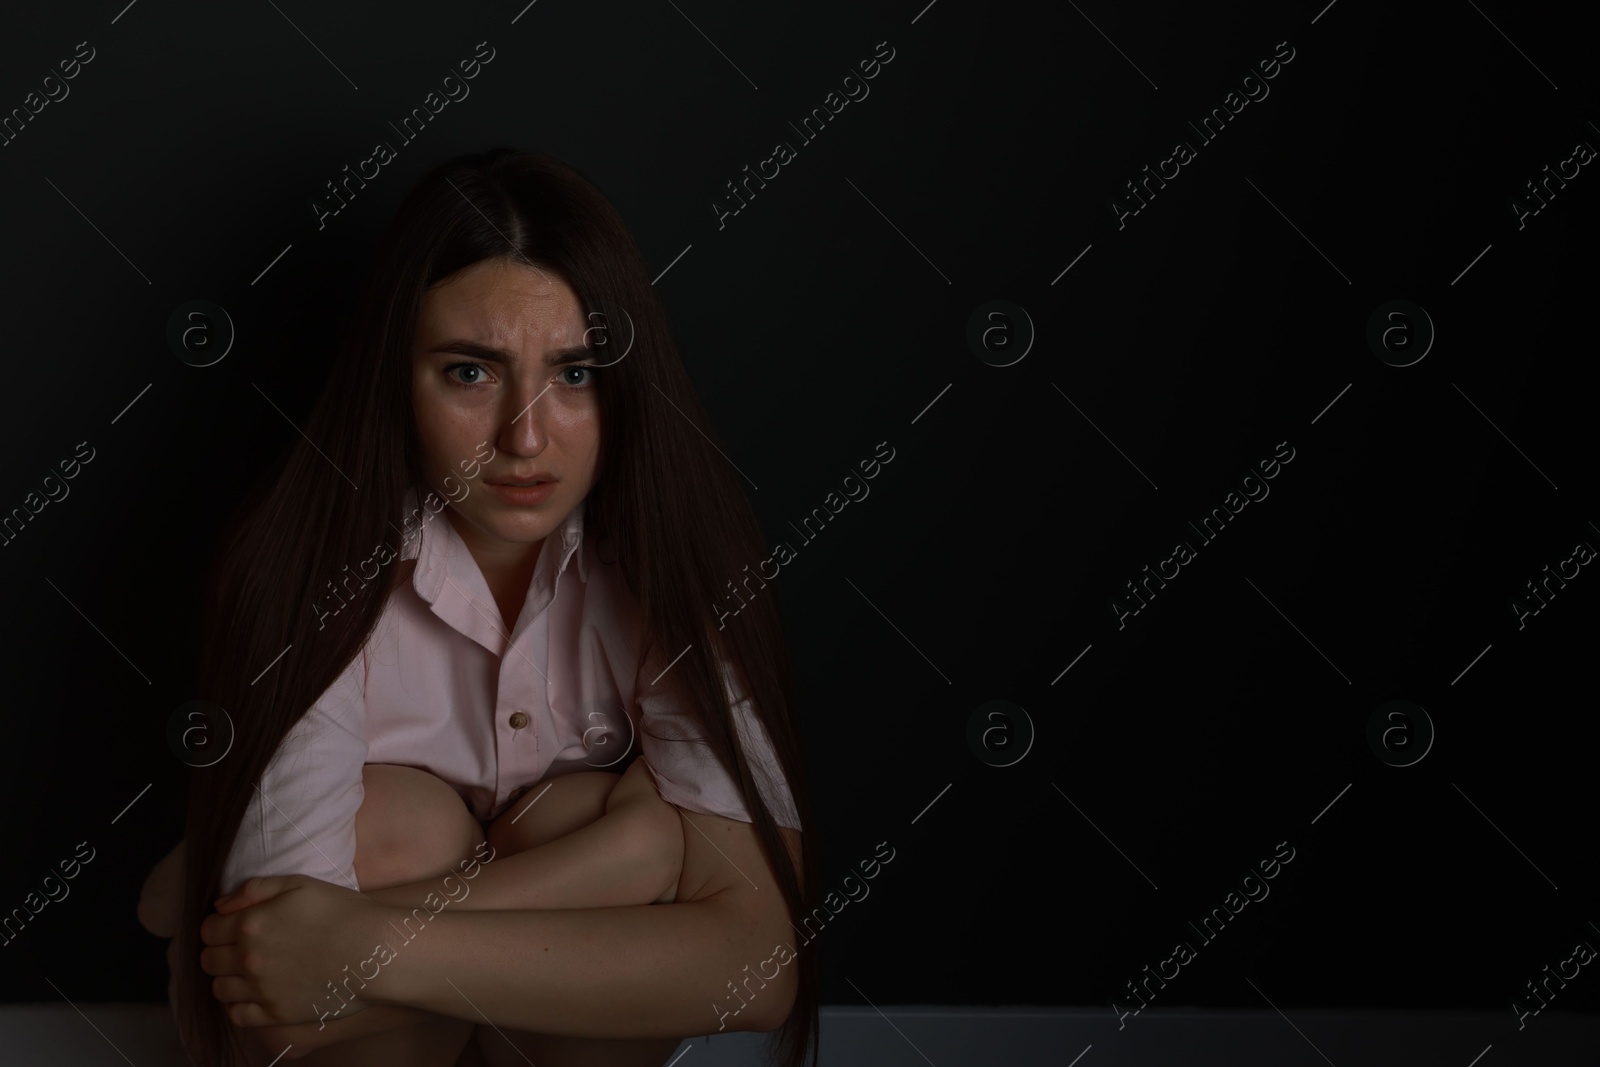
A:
556	938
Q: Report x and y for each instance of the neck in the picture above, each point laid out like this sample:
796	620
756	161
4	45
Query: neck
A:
507	567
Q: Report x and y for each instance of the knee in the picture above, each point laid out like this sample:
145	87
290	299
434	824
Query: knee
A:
411	825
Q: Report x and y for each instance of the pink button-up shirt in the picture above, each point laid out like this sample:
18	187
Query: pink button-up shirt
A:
440	685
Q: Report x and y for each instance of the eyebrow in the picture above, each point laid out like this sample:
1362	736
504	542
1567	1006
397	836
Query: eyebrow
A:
490	354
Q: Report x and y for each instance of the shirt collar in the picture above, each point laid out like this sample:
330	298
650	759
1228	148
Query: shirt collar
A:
440	552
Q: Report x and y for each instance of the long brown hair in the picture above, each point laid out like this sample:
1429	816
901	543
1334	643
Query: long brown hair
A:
664	503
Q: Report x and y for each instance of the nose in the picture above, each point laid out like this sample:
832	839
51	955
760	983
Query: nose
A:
522	429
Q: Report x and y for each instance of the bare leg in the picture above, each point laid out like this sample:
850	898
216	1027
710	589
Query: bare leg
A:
411	825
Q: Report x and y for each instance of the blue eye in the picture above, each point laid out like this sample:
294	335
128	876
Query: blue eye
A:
478	367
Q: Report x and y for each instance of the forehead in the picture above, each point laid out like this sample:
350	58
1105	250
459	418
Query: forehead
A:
503	301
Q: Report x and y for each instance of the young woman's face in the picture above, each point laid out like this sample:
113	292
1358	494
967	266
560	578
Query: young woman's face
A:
500	392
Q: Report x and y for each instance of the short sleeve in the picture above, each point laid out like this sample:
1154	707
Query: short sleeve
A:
301	818
686	770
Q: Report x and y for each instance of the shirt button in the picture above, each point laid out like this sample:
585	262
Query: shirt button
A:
518	720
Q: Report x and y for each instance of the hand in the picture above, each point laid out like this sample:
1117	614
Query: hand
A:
275	947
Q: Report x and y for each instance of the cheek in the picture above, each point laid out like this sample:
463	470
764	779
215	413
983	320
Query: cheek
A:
448	430
578	423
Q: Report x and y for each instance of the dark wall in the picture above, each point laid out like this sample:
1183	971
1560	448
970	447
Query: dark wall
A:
1241	712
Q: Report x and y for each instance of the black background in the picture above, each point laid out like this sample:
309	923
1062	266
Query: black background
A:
827	317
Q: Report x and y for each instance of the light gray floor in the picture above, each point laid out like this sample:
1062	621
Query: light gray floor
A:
142	1034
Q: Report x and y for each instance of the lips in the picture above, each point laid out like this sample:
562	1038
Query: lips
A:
534	479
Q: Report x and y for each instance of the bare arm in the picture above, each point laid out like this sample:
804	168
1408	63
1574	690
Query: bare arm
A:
618	972
624	857
633	854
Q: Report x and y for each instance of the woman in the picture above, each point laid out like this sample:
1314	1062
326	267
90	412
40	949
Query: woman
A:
509	333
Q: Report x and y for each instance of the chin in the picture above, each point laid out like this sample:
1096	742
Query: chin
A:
518	524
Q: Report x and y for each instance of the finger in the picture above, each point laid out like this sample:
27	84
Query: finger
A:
253	891
249	1014
231	989
220	929
219	960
